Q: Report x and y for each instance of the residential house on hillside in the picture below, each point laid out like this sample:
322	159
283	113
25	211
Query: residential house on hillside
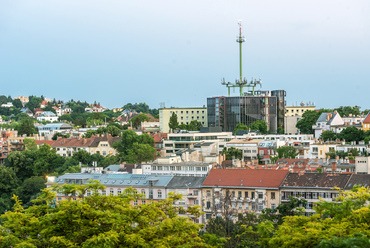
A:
7	105
312	186
241	190
103	145
366	123
27	111
47	116
327	122
52	128
96	144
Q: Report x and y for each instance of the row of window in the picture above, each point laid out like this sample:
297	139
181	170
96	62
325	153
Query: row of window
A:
179	168
309	195
187	112
246	194
247	206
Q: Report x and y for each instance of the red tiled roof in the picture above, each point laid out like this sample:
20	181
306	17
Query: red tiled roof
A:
68	142
367	118
41	142
245	178
159	136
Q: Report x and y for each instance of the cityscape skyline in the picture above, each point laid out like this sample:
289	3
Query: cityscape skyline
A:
178	52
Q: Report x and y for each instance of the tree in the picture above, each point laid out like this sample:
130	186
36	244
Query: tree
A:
21	163
17	103
100	221
34	102
259	125
232	153
56	135
328	135
113	130
137	120
83	157
30	189
240	126
173	123
309	119
135	148
65	117
352	134
8	182
341	221
27	127
347	110
192	126
30	144
286	152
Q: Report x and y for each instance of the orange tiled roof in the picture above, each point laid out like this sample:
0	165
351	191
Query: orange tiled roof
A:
67	142
367	118
245	178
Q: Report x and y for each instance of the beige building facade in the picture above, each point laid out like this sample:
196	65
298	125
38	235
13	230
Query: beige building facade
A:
184	116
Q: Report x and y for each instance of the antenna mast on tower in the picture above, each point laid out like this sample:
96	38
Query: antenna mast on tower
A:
240	82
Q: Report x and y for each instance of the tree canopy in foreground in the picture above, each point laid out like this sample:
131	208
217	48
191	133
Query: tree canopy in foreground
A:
98	221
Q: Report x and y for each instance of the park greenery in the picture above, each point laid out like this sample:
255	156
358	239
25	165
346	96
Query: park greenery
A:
348	134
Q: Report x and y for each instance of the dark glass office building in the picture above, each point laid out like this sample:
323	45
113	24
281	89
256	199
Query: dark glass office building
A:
228	111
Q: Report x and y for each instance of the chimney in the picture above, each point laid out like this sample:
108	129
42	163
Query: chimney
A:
334	167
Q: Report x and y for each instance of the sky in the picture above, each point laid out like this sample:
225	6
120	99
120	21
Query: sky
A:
177	51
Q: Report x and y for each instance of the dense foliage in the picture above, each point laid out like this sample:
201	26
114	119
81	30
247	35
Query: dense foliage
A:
98	221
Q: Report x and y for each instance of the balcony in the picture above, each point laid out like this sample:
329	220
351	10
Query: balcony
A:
191	196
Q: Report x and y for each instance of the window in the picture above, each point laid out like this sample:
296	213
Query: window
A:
208	205
154	168
246	194
198	168
143	192
233	193
252	195
198	112
119	192
111	192
253	206
273	206
260	206
240	205
239	194
143	202
159	194
260	195
182	112
273	195
172	168
208	193
103	192
160	168
178	168
195	192
204	168
135	203
233	205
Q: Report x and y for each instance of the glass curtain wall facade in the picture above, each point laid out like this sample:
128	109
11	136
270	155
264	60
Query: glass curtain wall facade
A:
227	112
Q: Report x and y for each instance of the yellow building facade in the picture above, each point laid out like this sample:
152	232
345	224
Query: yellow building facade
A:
184	116
297	110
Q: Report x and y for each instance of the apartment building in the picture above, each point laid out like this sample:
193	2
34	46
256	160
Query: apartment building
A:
312	187
184	116
240	190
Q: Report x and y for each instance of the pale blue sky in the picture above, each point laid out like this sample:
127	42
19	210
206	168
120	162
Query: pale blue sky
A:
119	51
